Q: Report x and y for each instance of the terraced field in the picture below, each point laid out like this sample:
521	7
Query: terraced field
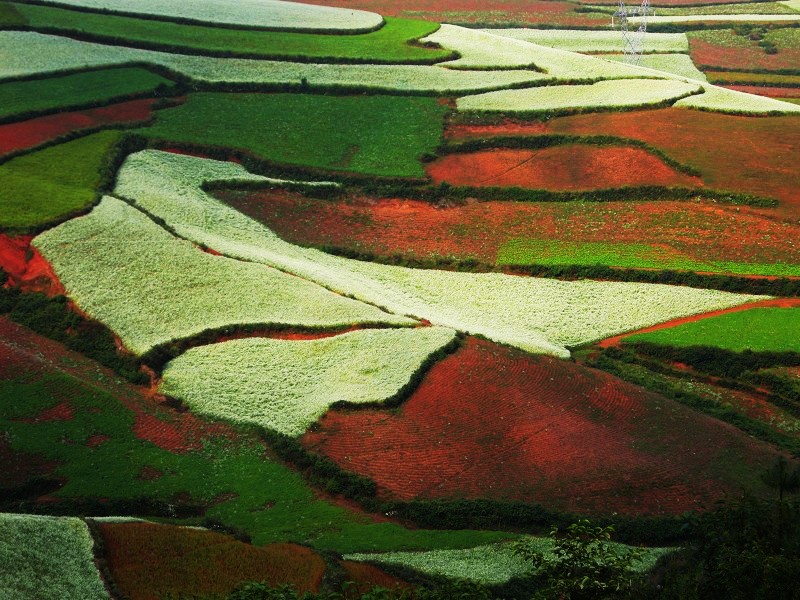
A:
380	293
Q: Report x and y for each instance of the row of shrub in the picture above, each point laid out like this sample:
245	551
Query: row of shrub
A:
623	363
52	318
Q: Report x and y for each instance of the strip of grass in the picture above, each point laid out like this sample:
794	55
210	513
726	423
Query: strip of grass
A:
758	329
263	498
20	99
372	135
389	44
47	186
744	8
10	17
528	251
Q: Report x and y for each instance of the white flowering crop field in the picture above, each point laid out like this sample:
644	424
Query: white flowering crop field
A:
286	385
152	288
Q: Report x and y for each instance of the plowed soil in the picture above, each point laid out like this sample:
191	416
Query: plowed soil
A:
561	168
34	132
493	422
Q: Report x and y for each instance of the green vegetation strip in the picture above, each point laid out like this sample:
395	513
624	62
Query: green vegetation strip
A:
744	8
371	135
151	288
21	99
529	251
757	329
52	184
47	557
389	44
240	486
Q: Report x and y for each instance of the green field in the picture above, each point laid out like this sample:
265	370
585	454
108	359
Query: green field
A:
76	90
745	78
46	186
757	329
264	498
527	251
389	44
373	135
47	557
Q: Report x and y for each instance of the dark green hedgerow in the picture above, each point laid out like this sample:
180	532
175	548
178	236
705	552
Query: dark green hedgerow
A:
52	318
717	361
625	365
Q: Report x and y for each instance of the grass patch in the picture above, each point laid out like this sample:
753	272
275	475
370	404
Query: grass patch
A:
527	251
372	135
758	329
747	78
389	44
68	92
266	500
52	184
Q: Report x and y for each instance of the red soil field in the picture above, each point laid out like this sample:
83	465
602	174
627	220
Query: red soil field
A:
705	54
777	303
570	167
412	228
366	577
509	12
26	268
494	422
765	160
23	350
32	133
771	92
148	561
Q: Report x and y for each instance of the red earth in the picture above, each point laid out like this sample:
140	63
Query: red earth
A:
395	226
34	132
707	55
26	268
777	303
509	12
494	422
764	161
573	167
23	350
148	561
772	92
366	577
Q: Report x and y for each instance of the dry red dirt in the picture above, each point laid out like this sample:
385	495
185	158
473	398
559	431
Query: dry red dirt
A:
26	268
366	577
21	350
771	92
148	561
764	160
705	54
552	12
387	227
494	422
570	167
33	132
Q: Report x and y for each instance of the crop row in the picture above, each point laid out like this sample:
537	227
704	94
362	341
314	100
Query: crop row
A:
287	385
537	314
152	288
271	14
389	44
30	53
578	40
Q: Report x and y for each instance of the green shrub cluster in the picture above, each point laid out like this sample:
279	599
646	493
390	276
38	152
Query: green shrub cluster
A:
52	318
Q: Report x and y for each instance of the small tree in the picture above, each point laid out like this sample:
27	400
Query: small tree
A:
584	564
